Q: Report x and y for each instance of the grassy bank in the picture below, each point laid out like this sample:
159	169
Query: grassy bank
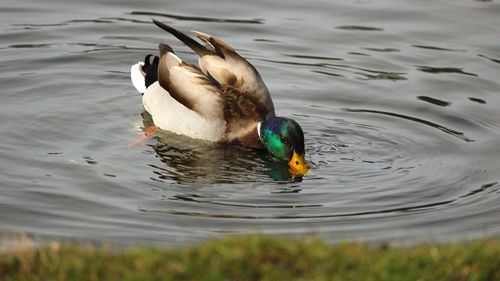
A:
254	258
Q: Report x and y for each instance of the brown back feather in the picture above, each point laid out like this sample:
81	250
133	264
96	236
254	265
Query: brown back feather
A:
241	110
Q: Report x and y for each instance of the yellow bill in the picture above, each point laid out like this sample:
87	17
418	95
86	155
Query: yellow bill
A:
298	165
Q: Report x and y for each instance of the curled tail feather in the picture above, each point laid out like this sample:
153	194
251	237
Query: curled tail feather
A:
143	74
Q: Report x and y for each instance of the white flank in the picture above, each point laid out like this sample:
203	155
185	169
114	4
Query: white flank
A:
138	77
170	115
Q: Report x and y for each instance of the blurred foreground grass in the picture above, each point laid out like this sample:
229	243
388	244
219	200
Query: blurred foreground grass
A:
255	257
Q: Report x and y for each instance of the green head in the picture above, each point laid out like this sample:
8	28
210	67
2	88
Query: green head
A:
284	139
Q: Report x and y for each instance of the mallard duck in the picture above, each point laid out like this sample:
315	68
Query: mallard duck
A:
223	99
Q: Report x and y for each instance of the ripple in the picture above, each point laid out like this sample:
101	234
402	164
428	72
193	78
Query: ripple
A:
40	24
360	73
312	57
24	46
198	18
481	189
265	40
489	58
90	21
301	216
478	100
328	73
434	101
449	131
383	50
318	208
439	70
434	48
359	28
197	199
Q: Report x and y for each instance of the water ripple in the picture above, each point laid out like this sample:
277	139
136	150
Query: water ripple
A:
361	73
359	28
434	101
449	131
489	58
439	70
412	160
198	18
434	48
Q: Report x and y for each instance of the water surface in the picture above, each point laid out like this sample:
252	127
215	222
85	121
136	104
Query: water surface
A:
398	101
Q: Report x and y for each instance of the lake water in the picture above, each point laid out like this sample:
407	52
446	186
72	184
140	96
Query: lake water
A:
399	101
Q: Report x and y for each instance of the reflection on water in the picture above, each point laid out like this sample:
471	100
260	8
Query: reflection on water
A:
188	160
398	109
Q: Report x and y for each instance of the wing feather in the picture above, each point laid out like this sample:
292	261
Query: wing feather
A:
189	86
219	61
229	68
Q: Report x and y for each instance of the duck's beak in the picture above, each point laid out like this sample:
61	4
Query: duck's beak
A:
297	164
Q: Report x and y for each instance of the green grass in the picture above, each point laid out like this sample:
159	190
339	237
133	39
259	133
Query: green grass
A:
254	258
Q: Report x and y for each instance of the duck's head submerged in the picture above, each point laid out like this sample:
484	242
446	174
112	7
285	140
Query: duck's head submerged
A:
284	139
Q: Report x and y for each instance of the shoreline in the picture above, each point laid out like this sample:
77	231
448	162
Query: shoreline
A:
253	257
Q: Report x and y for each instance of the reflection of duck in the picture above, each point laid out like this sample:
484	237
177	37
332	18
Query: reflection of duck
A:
194	161
223	100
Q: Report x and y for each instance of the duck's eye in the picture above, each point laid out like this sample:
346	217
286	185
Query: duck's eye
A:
297	163
284	139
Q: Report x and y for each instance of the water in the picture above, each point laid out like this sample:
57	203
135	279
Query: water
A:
398	101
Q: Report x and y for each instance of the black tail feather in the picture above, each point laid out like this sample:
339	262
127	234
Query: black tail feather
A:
190	42
151	69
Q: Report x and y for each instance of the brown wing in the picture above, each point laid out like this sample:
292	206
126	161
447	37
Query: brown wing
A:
189	86
220	62
227	67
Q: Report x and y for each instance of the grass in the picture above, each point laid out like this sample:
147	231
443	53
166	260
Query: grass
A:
255	257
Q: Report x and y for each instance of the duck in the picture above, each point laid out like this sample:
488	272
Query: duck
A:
222	99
